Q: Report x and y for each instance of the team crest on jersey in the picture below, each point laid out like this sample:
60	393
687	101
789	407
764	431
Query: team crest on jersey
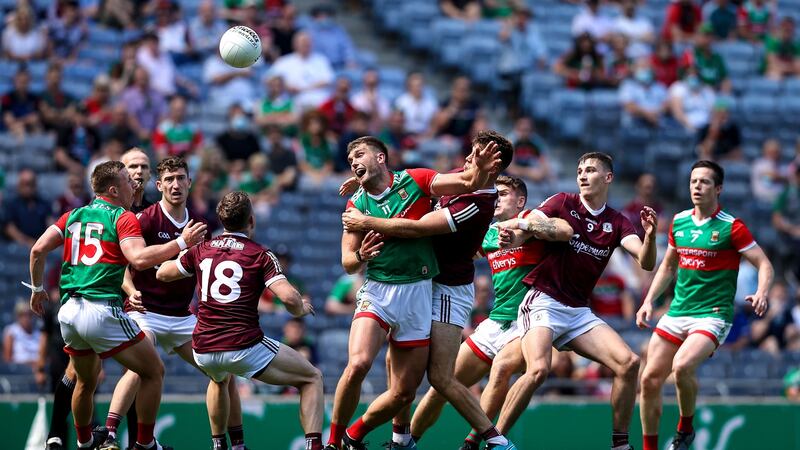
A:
607	227
715	236
363	305
403	194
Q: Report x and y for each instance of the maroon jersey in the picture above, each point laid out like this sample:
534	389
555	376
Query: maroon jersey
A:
169	299
232	272
570	270
469	216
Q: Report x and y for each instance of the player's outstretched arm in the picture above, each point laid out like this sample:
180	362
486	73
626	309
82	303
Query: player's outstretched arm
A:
662	280
50	240
435	222
142	256
291	298
485	162
540	227
644	252
169	271
759	260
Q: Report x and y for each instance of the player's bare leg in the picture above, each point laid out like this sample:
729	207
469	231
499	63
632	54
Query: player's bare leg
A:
602	344
87	368
365	341
469	369
143	359
507	362
235	404
401	423
657	368
218	405
695	350
407	369
293	369
537	350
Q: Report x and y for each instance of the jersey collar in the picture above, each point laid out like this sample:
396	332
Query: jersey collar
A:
594	212
232	233
699	223
172	219
385	191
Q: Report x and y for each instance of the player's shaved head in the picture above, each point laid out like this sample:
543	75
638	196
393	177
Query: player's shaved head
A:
504	146
106	175
604	158
234	211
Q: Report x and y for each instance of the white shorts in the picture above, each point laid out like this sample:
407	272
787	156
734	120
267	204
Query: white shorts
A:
677	329
171	332
453	304
248	363
403	310
540	310
491	336
95	327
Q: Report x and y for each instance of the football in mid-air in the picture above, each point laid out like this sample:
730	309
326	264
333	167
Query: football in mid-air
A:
240	47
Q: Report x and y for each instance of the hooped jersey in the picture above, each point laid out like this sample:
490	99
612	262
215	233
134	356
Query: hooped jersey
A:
709	252
401	261
93	265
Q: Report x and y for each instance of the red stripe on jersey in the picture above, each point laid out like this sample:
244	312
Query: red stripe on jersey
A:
111	252
707	260
740	235
128	226
61	223
423	178
418	209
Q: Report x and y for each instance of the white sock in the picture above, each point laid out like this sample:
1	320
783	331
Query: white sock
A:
498	440
621	447
402	439
153	445
54	440
112	434
89	444
238	447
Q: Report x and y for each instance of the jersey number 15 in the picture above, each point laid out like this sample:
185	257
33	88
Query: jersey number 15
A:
87	241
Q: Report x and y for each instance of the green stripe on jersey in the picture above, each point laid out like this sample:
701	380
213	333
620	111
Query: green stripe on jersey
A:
401	261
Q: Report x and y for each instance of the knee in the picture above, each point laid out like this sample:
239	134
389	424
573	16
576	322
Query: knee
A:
153	372
652	383
403	395
683	371
358	368
314	377
629	368
440	382
503	371
535	374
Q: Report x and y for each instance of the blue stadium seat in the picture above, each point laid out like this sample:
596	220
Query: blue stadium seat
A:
763	87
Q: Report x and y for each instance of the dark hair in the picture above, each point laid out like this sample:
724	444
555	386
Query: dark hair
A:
514	183
505	146
106	175
719	173
234	210
372	142
605	159
171	164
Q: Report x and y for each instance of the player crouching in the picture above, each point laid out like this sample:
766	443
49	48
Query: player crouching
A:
234	270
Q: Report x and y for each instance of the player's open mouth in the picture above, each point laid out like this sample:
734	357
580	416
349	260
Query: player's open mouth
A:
360	172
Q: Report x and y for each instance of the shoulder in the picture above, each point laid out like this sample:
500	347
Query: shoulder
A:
357	195
682	215
726	217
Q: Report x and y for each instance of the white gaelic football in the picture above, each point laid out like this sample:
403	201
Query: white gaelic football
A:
240	47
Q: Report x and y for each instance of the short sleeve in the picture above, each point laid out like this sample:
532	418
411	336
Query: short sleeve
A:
741	237
128	227
672	236
424	178
186	261
460	213
627	230
350	204
271	268
61	223
552	206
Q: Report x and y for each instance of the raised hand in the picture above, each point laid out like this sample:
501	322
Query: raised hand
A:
194	233
349	186
649	220
487	158
354	220
371	246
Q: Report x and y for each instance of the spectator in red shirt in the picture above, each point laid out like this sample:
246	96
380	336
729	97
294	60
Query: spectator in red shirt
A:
664	63
98	104
338	109
683	18
174	136
610	298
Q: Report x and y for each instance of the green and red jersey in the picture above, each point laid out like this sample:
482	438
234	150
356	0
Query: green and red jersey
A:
177	139
709	252
401	261
93	265
509	266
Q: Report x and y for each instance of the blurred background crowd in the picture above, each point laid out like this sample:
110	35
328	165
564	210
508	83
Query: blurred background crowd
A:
656	83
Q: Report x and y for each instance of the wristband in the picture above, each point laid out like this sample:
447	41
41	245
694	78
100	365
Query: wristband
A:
358	256
33	288
181	243
523	224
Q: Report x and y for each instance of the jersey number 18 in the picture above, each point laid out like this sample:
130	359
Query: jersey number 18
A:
221	279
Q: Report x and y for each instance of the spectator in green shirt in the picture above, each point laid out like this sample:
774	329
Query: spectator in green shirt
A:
342	299
710	66
277	107
316	148
783	52
258	182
